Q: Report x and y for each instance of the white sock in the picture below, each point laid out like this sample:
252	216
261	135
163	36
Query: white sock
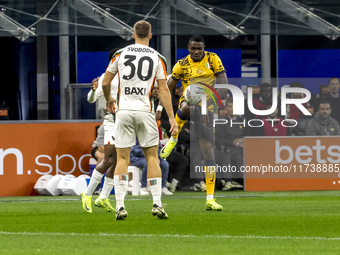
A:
174	182
174	139
107	187
96	178
155	186
121	186
210	197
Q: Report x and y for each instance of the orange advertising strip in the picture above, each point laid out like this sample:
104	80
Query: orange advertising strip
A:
30	150
292	163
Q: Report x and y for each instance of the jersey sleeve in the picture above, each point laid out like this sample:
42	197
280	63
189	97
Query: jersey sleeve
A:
217	64
177	71
113	66
161	70
93	96
99	91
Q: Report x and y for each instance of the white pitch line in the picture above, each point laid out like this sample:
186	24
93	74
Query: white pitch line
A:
175	236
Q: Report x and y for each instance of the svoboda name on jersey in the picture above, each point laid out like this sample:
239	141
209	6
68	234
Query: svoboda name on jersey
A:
146	50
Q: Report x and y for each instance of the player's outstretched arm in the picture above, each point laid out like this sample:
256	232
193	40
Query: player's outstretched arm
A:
222	79
171	84
165	96
222	92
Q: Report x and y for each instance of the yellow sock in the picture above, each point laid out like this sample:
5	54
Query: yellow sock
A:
180	123
210	177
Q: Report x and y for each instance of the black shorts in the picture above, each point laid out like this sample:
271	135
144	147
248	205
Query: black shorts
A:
93	152
201	131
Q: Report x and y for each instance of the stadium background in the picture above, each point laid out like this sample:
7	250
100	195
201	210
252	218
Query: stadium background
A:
297	49
43	122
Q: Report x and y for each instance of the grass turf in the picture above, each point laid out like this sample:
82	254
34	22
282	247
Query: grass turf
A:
250	223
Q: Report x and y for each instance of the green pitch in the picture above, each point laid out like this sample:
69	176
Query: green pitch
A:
250	223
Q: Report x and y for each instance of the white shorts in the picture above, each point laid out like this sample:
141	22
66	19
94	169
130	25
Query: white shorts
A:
109	129
132	124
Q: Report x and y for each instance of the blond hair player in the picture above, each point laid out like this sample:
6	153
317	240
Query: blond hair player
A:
138	67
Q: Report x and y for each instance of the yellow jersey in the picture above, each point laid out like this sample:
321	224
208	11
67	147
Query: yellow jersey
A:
205	71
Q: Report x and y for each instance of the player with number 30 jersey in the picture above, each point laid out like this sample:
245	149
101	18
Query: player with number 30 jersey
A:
138	67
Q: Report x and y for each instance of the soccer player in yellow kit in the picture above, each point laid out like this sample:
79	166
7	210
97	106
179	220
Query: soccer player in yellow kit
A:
206	67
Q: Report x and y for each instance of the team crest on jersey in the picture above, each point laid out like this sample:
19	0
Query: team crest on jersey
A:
199	71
